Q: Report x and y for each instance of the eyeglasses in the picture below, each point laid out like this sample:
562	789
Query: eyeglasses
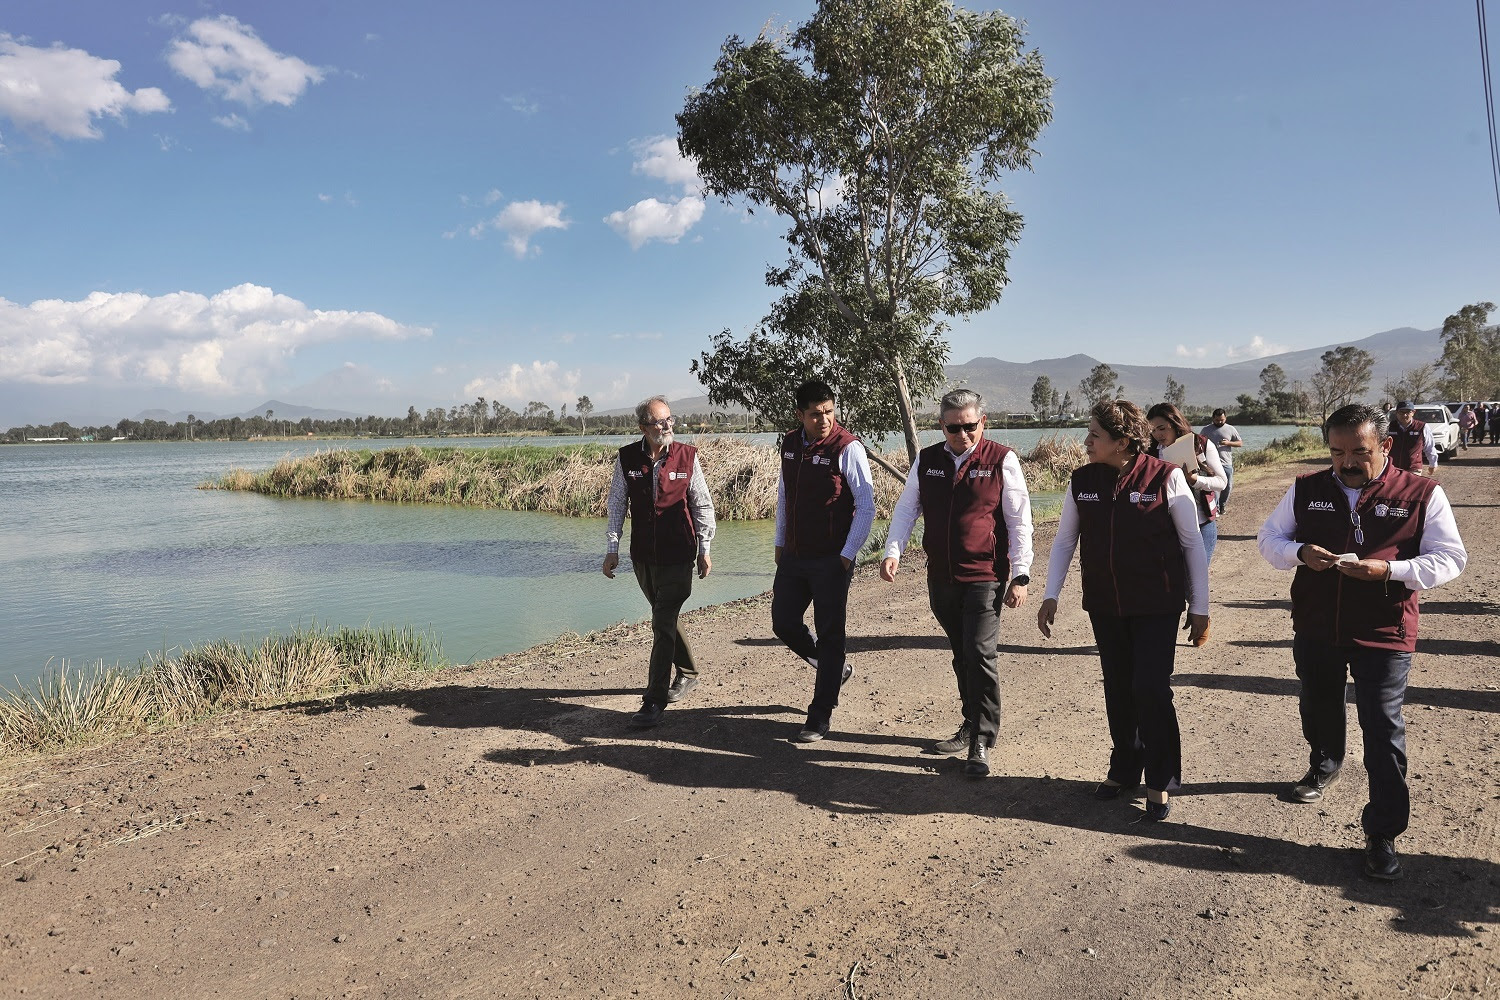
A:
1359	536
969	428
664	425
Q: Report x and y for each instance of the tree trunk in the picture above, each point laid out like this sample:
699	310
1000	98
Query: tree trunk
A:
903	404
885	464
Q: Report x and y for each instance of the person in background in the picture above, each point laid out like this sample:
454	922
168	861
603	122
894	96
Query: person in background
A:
825	505
1495	424
1411	441
1481	423
1364	537
976	512
1142	559
1206	477
1467	420
671	524
1225	438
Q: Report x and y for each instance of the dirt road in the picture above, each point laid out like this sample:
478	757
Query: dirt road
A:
499	832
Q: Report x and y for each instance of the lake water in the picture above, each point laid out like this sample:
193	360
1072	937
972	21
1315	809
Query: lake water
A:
108	552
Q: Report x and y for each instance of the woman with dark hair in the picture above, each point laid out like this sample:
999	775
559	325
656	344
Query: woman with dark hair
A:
1206	477
1142	559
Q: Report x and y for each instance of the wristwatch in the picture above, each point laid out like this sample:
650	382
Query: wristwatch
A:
1022	581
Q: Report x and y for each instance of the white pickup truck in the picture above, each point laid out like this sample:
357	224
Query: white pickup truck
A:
1443	424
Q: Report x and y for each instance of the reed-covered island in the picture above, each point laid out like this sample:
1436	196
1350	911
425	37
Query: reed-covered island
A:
571	480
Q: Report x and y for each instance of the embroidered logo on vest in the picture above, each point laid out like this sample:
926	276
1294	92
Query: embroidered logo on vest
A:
937	472
1383	510
789	454
634	473
981	473
674	476
1136	496
1320	505
1088	496
821	460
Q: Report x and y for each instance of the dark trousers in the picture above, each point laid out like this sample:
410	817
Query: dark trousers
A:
822	582
667	588
970	615
1380	677
1136	653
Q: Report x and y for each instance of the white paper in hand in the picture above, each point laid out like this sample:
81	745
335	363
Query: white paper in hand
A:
1346	558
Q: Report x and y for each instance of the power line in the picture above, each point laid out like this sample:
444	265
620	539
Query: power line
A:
1489	96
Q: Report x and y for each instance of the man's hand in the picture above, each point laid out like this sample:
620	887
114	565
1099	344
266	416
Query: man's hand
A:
705	565
1365	569
1015	595
610	562
1316	557
1197	629
1046	615
888	568
847	563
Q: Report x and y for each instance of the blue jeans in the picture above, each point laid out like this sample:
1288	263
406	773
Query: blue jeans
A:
1380	677
1228	482
1210	532
823	582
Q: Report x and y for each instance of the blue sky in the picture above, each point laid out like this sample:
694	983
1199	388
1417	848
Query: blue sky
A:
367	205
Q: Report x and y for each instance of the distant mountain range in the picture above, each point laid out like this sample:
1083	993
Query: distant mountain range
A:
283	411
1006	385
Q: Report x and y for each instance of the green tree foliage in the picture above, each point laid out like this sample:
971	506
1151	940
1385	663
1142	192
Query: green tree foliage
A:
1471	354
1102	383
879	130
1344	377
1175	393
1043	396
1276	399
583	409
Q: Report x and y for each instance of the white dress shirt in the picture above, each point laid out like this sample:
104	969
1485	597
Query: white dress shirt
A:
1181	504
1015	508
1441	555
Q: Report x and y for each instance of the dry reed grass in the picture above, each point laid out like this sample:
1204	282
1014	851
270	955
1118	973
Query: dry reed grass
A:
67	707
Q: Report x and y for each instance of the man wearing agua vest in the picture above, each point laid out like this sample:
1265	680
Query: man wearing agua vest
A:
1364	538
825	506
671	525
976	513
1411	441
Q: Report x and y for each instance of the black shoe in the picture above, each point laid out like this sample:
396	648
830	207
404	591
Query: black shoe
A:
1313	784
1157	811
811	732
1380	859
681	686
978	764
649	716
957	743
1105	792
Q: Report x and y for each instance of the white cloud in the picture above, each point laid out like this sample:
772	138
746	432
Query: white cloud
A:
1258	348
656	220
233	122
521	220
492	195
521	104
230	341
324	198
544	380
1196	351
60	91
659	157
223	56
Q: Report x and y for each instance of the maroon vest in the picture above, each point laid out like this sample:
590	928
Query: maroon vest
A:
1330	606
1129	552
819	506
1406	446
661	529
963	526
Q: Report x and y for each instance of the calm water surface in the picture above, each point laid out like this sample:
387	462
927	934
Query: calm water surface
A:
108	551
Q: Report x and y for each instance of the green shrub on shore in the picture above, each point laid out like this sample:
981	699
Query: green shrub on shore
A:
67	707
1302	443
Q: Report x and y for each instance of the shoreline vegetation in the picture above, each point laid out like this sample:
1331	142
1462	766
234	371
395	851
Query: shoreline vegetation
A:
572	480
72	707
68	707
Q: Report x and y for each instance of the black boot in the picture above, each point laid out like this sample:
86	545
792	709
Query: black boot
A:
978	764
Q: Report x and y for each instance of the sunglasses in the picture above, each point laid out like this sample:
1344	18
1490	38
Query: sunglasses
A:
664	425
1359	536
969	428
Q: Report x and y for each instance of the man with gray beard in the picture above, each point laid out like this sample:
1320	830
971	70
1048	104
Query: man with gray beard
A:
661	484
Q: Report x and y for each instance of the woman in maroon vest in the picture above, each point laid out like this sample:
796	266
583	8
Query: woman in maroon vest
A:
1207	478
1142	559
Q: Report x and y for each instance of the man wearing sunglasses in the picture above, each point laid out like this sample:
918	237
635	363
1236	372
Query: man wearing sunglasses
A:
976	513
1364	538
671	524
825	504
